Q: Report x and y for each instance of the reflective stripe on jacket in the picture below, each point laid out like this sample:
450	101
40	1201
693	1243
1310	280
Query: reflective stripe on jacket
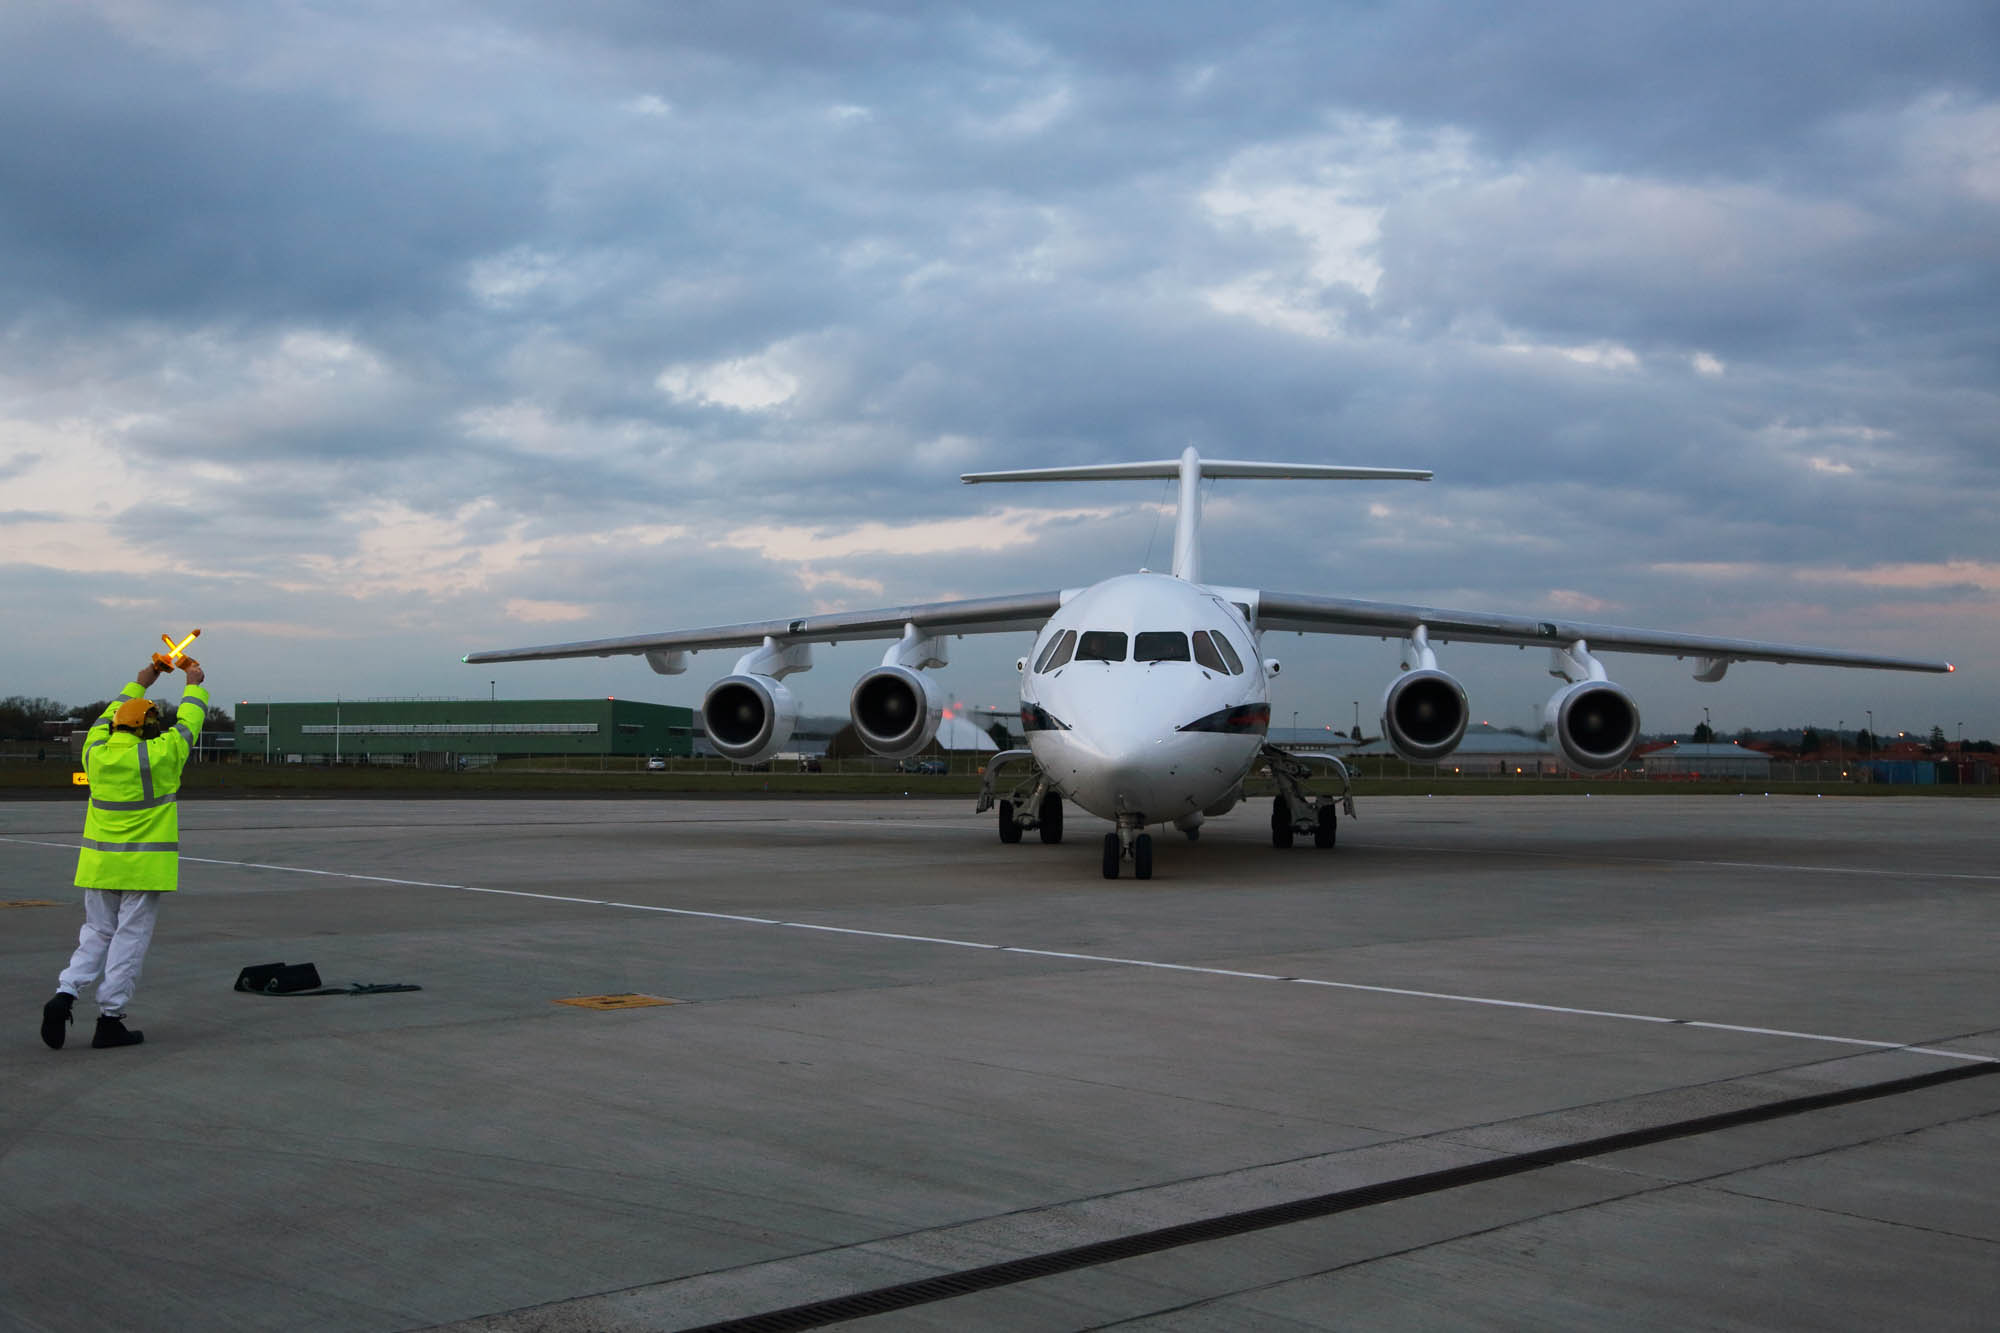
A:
131	836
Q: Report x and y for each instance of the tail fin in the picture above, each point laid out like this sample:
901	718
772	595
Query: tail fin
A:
1191	467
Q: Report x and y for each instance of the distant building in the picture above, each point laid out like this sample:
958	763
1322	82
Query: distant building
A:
1483	752
457	732
955	735
1724	760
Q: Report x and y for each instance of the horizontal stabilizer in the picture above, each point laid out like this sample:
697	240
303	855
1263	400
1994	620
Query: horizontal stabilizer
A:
1189	469
1169	468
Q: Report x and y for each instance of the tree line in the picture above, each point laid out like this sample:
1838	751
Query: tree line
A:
22	717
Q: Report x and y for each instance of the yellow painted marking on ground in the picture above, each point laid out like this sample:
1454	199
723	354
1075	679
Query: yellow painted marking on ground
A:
625	1001
30	902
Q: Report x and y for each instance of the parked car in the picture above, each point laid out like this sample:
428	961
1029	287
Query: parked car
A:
922	766
655	761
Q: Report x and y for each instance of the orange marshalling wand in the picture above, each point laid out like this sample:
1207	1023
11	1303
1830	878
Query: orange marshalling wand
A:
176	654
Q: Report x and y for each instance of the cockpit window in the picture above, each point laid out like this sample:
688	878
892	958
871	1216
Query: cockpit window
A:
1204	653
1101	645
1058	652
1163	645
1222	645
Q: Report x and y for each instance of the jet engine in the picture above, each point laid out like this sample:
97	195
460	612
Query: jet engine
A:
896	711
749	718
1594	724
1424	713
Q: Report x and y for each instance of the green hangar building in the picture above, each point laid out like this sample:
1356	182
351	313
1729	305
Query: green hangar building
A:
440	733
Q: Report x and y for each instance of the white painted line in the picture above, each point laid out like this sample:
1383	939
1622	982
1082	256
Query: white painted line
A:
1786	867
1088	957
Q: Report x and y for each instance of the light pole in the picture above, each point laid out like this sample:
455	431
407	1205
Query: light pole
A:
1871	729
1708	726
1357	719
492	691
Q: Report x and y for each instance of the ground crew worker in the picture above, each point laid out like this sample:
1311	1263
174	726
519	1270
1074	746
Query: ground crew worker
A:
131	848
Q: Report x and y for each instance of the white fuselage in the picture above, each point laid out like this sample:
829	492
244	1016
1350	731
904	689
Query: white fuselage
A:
1145	699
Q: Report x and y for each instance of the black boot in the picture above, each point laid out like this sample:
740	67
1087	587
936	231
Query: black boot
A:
112	1032
56	1017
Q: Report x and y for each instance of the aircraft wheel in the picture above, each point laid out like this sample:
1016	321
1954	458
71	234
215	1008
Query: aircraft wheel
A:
1009	830
1281	822
1111	856
1052	818
1328	824
1142	856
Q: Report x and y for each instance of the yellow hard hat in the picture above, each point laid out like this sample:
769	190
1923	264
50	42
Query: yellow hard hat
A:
132	714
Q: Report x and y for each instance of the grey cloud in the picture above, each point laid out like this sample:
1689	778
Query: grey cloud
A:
139	187
983	242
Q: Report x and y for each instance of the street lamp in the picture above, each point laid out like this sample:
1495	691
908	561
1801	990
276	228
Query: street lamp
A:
492	691
1871	729
1708	726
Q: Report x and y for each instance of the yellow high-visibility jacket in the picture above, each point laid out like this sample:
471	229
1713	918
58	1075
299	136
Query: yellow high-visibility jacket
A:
132	835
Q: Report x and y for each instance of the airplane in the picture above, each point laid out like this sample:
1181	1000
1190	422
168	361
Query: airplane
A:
1145	699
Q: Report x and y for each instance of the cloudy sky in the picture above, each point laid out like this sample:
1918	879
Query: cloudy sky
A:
367	335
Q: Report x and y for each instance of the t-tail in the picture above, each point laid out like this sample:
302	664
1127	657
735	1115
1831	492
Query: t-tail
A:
1190	468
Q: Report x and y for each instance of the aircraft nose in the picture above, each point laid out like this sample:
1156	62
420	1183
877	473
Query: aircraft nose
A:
1137	765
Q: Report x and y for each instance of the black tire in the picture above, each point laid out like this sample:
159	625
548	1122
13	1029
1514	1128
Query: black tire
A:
1142	856
1329	824
1009	830
1052	818
1281	823
1111	856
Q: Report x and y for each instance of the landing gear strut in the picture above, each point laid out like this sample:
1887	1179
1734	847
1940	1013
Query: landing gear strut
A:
1294	810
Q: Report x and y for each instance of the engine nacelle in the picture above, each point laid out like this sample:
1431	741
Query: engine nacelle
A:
896	711
1594	724
1424	713
749	718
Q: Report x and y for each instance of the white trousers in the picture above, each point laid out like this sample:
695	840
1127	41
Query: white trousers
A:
117	927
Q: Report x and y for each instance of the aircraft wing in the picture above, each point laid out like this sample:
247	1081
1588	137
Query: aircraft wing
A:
1340	615
982	615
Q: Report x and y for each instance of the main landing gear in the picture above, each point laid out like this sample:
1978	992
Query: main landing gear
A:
1294	810
1032	804
1048	820
1131	840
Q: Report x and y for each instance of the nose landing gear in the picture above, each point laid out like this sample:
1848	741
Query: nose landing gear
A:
1131	840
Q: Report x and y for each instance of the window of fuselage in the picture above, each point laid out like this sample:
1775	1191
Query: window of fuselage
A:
1222	645
1161	645
1058	652
1204	653
1101	645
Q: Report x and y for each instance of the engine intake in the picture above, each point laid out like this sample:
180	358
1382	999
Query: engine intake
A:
1424	714
1594	724
749	718
895	711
